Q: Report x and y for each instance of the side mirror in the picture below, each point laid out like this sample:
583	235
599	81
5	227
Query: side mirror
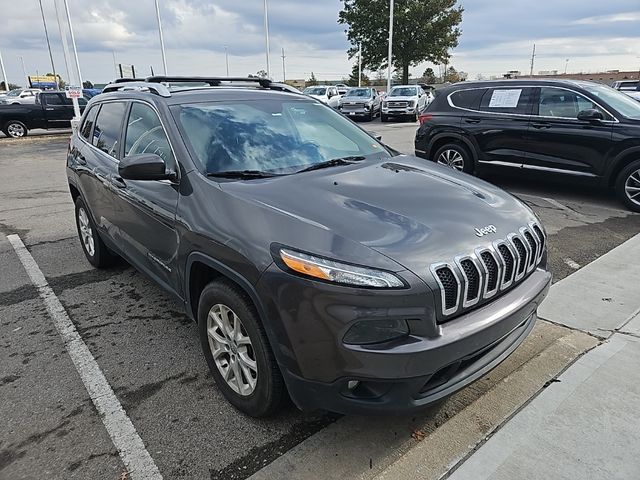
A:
144	166
590	115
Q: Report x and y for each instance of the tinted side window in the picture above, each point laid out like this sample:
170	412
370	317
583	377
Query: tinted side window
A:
53	99
146	135
507	100
89	120
467	98
561	103
108	125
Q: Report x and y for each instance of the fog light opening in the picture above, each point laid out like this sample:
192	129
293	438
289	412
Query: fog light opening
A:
352	384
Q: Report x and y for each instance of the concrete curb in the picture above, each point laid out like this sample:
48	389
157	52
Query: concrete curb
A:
454	441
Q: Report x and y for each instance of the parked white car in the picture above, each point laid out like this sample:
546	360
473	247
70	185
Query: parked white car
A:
326	94
20	96
404	101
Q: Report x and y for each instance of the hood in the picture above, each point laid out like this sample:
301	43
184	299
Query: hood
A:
414	212
401	98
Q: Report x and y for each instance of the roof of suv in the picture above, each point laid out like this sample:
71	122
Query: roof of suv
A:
519	82
196	89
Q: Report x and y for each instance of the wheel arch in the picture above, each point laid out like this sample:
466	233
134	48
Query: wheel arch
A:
452	137
625	158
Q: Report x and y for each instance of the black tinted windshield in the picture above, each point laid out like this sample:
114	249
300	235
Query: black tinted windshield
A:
271	135
359	92
403	92
315	91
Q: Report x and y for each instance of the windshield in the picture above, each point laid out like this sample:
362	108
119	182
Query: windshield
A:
359	92
276	136
624	104
14	93
315	91
403	92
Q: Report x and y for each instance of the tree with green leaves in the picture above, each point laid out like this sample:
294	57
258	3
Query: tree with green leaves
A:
423	31
352	81
452	75
429	76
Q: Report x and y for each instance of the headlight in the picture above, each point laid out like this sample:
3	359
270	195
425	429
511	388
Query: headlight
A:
331	271
412	103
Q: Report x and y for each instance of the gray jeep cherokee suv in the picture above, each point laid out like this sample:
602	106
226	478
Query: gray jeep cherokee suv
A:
316	261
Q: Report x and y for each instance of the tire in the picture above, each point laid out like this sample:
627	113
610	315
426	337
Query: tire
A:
93	247
383	117
260	390
626	184
15	129
459	158
370	117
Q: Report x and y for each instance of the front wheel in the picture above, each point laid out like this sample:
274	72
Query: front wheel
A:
455	156
237	350
628	186
15	129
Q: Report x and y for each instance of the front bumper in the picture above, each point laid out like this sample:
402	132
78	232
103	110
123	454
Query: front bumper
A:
391	111
398	376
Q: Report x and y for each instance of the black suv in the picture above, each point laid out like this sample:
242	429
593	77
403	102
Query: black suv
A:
583	130
315	260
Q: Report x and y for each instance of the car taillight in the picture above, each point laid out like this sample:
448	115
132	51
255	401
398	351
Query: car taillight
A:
424	118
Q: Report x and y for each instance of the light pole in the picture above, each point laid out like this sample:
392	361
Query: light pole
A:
566	64
46	34
164	58
360	65
266	34
24	70
390	45
4	74
226	57
284	72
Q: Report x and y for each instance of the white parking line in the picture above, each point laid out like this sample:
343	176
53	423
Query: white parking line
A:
134	455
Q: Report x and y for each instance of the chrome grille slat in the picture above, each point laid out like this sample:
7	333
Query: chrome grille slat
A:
490	269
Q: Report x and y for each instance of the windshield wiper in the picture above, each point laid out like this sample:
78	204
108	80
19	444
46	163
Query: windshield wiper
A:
334	162
242	174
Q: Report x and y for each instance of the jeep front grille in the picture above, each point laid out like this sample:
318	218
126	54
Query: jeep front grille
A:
476	277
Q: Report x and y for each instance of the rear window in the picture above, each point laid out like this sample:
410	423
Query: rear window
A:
53	99
87	124
467	98
514	100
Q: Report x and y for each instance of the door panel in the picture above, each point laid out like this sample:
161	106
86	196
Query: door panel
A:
57	113
144	211
558	140
498	125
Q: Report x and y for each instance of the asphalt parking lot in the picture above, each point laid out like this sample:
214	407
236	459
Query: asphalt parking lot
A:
147	348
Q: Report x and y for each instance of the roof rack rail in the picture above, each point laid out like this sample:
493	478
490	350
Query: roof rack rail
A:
128	80
211	81
141	86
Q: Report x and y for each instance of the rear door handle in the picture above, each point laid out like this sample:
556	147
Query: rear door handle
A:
540	126
472	120
117	181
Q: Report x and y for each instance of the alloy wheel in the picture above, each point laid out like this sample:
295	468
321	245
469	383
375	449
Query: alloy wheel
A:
232	350
16	130
86	232
632	187
452	158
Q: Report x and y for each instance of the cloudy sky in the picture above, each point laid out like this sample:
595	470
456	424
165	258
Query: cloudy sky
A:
497	36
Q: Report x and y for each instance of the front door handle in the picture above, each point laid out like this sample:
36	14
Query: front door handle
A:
540	126
117	181
472	120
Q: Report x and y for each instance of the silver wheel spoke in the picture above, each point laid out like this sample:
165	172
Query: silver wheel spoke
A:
451	158
232	350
